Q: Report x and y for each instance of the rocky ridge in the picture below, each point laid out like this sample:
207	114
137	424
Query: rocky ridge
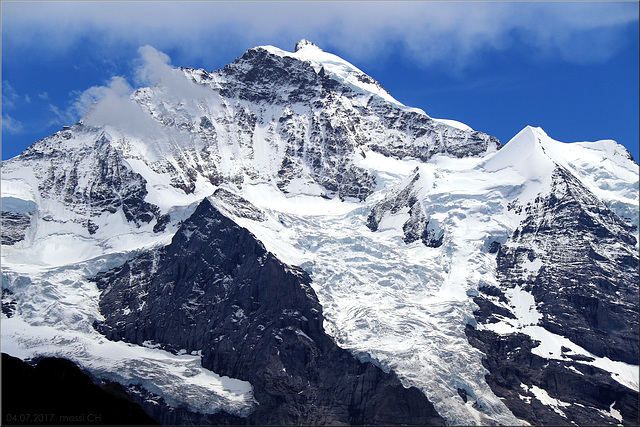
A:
581	294
418	239
215	289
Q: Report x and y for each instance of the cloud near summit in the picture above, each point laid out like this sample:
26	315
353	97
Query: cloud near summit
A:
432	33
111	104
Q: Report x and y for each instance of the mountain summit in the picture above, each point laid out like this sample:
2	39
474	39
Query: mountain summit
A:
280	241
302	44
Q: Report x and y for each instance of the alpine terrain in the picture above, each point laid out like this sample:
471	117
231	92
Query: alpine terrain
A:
282	242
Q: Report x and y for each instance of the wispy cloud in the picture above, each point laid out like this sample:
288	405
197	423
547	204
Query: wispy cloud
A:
111	104
9	95
62	115
10	98
154	67
117	87
452	34
81	101
11	125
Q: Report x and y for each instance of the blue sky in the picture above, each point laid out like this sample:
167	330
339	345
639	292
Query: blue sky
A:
568	67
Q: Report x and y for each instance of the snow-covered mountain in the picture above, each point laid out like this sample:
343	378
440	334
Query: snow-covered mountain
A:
281	241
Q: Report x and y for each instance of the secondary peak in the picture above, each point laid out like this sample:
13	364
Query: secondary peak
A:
305	43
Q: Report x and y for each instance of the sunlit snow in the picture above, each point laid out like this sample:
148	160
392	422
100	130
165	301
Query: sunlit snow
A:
402	306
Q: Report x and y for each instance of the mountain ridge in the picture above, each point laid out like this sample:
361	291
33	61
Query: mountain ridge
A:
411	230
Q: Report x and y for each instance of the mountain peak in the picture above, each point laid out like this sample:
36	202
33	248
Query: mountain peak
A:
301	44
527	154
335	68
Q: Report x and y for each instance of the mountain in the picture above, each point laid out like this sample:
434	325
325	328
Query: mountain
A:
216	289
56	392
282	242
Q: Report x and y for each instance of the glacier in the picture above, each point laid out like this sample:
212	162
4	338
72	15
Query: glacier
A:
404	306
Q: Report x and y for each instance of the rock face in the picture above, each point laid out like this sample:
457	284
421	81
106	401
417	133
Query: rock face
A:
88	179
216	289
551	392
57	392
238	206
267	116
320	122
17	218
586	287
418	226
583	278
406	226
14	227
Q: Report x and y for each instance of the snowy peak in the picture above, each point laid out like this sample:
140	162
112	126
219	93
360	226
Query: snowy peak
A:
524	152
271	118
605	167
534	141
304	44
399	220
335	68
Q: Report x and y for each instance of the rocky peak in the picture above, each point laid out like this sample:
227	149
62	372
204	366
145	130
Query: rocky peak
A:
304	43
216	289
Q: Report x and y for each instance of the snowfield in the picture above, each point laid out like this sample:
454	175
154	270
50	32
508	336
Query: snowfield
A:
402	306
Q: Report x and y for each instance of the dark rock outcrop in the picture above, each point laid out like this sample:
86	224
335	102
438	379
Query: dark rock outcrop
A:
418	226
238	206
57	392
585	287
215	288
585	393
14	226
8	302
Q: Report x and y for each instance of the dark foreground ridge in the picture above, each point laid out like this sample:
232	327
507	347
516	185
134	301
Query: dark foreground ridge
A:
57	392
215	288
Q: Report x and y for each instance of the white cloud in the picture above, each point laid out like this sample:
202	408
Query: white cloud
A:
9	95
153	65
454	35
117	87
11	125
154	68
121	113
432	33
111	104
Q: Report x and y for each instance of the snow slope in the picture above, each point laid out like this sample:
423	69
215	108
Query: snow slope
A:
336	67
54	317
403	306
406	306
